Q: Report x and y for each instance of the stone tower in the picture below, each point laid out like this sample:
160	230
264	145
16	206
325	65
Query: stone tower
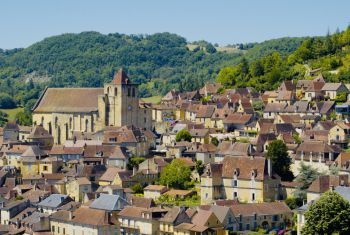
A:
120	104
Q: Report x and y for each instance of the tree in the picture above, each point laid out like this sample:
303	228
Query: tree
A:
24	118
175	175
6	101
200	167
328	215
137	188
341	97
183	135
307	175
134	162
215	141
277	153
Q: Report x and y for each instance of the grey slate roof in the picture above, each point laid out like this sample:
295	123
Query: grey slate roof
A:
53	201
109	202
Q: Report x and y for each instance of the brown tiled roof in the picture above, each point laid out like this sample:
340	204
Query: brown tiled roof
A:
238	118
199	132
61	149
73	100
324	182
331	86
191	227
315	87
120	78
90	216
265	208
213	170
141	202
244	166
275	107
39	132
205	111
110	174
187	161
201	217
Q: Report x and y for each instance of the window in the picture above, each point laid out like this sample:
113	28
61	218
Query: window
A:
64	231
235	194
115	91
53	229
58	229
206	196
129	91
253	196
133	92
247	227
45	168
234	183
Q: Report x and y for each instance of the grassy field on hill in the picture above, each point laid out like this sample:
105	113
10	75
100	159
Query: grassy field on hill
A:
12	112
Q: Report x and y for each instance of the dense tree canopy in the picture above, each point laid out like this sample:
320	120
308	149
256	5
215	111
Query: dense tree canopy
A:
183	135
277	153
328	215
175	175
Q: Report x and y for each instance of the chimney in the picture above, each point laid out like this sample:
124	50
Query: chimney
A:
269	167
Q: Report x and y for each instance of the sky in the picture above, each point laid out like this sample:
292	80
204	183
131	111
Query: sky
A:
24	22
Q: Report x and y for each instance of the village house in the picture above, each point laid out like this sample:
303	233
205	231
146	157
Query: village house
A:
154	191
247	179
83	221
331	90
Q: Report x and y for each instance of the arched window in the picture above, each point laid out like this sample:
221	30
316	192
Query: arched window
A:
42	121
56	121
115	91
50	128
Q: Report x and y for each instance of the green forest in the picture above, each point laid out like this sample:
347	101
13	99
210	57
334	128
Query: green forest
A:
162	61
330	53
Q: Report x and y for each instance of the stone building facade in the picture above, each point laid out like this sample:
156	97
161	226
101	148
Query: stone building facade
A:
63	111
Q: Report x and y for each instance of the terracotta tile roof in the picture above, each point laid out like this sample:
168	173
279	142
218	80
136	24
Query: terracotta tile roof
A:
62	150
316	87
201	133
120	78
191	227
84	215
275	107
70	100
265	208
39	132
233	148
110	174
213	170
329	86
201	217
245	167
324	182
141	202
238	118
205	111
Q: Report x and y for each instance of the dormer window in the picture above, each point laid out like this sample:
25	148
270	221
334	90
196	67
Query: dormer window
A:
236	172
254	173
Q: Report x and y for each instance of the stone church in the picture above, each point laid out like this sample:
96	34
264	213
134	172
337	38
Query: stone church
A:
64	111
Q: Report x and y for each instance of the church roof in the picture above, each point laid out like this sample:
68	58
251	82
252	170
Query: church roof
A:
120	78
69	100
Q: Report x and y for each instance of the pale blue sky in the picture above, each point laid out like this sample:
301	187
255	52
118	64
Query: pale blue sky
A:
23	22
